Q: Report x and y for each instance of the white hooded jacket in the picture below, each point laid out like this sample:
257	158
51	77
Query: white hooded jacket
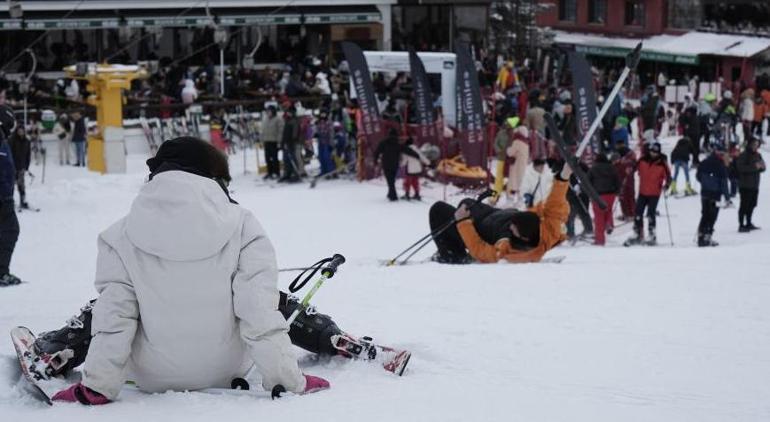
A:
188	297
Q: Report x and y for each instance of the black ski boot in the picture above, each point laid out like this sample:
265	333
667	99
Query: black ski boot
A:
652	239
310	330
637	239
67	347
705	240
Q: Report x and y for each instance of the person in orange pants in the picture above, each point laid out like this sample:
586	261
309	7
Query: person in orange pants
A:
606	181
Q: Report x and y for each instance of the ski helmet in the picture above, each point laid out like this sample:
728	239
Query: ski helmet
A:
191	155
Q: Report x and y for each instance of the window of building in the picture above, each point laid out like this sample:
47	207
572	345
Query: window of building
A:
568	10
597	11
634	12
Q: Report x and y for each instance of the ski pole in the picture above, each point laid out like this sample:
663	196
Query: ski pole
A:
668	218
326	273
632	60
438	231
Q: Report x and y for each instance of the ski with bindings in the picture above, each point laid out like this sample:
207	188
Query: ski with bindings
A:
558	259
635	241
343	169
573	162
32	367
364	348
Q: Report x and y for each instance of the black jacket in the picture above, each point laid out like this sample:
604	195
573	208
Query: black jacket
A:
682	151
604	178
290	135
748	173
390	151
20	148
79	131
568	128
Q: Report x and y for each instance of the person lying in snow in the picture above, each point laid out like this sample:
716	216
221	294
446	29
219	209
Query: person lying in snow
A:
488	234
187	290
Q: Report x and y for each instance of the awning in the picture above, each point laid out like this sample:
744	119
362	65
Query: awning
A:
97	19
680	49
646	54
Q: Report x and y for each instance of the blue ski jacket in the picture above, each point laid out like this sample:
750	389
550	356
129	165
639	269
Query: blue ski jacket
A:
7	171
712	176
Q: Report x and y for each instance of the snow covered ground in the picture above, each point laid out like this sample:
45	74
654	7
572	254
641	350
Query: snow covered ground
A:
611	334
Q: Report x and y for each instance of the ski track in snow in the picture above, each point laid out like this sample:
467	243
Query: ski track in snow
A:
611	334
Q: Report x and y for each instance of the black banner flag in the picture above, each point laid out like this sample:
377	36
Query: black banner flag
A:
470	112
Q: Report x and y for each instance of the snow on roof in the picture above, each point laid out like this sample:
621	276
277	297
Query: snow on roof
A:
691	44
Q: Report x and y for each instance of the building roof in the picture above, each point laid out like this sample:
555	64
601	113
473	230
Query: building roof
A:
669	48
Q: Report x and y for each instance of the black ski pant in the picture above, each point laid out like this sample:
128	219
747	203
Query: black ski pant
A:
708	216
650	203
9	233
451	247
289	163
578	207
310	331
271	156
390	177
21	187
748	203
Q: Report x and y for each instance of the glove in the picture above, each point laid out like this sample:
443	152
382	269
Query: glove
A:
80	393
314	384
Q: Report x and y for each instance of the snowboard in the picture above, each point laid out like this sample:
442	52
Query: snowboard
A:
32	368
572	161
393	360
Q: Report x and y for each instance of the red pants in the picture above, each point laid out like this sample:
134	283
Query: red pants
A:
627	199
413	181
603	218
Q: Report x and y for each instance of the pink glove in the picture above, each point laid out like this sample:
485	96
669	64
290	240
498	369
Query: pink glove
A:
314	384
80	393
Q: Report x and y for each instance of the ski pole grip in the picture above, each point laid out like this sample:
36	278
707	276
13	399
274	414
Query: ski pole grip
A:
484	195
331	267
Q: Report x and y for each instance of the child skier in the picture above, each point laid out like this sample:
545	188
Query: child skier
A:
625	165
654	177
712	175
489	235
186	270
605	180
413	161
680	158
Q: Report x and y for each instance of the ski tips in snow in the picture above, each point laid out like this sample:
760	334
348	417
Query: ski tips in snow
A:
23	341
633	58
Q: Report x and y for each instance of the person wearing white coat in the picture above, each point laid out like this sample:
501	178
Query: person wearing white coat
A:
187	289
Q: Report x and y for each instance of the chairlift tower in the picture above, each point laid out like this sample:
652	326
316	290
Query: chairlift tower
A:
106	82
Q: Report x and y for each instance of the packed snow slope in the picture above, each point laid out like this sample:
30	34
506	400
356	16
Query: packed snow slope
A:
611	334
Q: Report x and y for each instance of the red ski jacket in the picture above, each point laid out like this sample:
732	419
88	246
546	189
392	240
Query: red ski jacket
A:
653	175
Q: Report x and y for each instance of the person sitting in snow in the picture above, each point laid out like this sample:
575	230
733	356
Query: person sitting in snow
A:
186	270
488	234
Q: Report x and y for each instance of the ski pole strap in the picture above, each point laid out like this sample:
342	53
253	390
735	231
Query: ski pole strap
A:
328	271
